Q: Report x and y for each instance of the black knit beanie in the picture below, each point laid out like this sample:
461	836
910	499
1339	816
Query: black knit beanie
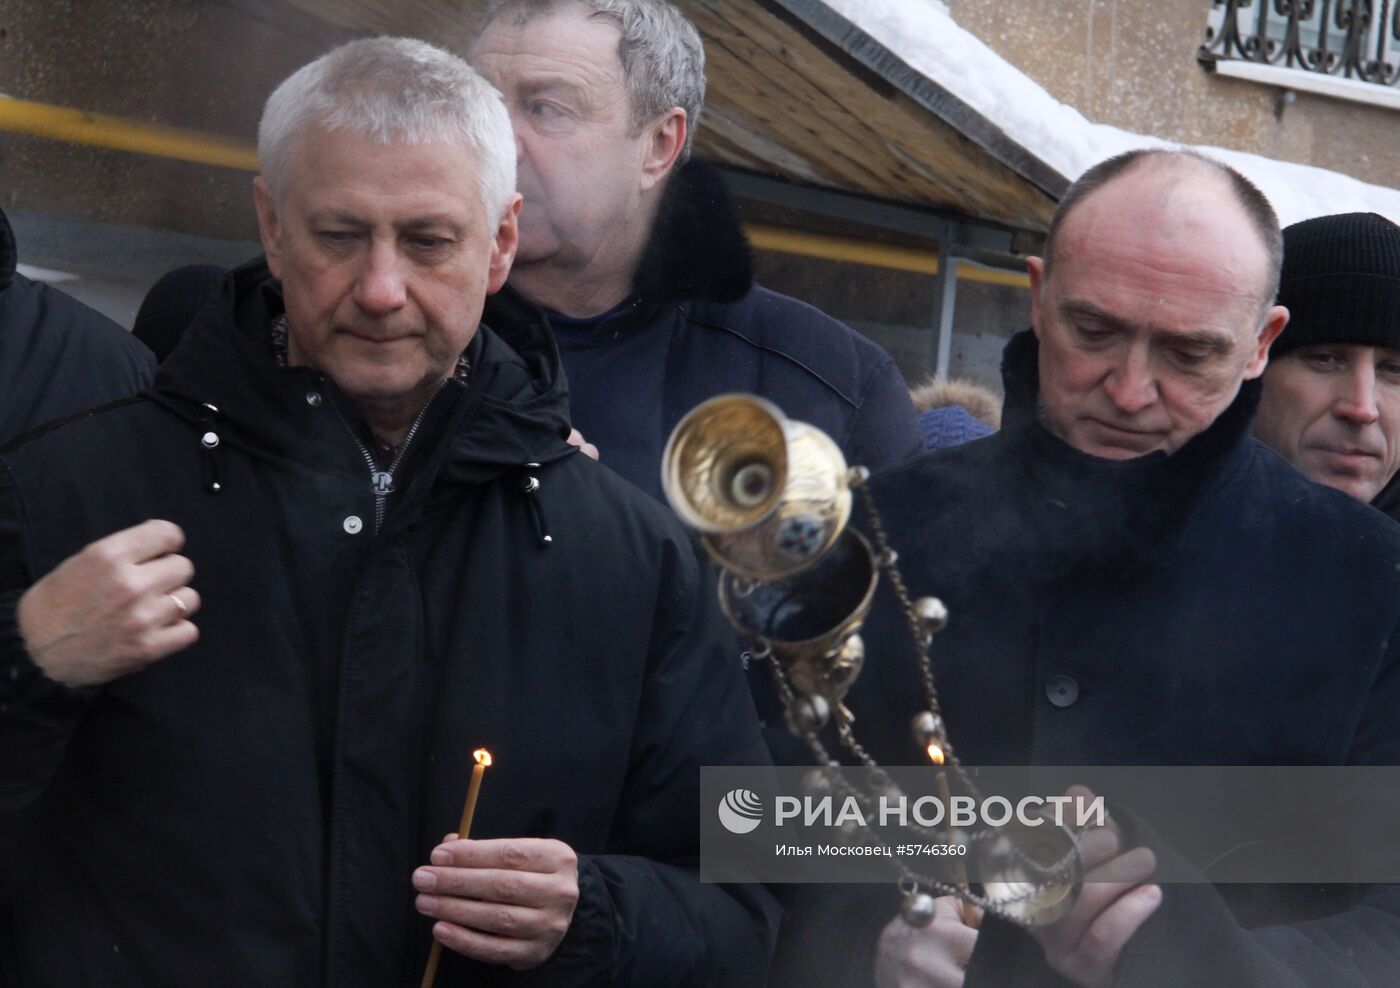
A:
1341	282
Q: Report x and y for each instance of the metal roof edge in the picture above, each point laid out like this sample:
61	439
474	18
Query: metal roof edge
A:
928	94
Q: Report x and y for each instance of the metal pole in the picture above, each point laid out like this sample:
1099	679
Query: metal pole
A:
947	303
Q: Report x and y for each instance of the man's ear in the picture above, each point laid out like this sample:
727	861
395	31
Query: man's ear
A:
1035	267
269	225
665	141
1274	321
504	245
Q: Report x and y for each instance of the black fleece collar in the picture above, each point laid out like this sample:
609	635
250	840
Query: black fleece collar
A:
9	253
697	252
1102	511
697	248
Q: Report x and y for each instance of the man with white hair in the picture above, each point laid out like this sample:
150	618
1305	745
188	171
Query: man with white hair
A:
253	623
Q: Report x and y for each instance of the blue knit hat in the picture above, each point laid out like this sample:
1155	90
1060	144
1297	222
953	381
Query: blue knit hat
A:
951	425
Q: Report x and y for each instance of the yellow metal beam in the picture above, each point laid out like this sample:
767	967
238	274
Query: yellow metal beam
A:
123	134
853	251
138	137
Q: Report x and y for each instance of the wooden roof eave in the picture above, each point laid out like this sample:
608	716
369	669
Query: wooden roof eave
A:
798	91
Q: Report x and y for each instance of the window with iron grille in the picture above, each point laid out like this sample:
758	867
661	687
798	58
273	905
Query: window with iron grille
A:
1344	48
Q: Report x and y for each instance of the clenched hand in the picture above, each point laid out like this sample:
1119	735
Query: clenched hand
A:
585	447
117	606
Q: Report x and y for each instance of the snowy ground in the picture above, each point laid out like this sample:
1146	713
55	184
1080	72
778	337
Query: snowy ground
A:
923	34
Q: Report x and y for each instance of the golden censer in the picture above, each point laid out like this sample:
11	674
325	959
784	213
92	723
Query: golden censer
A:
771	500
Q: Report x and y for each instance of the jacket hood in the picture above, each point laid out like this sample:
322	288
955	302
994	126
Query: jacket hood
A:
514	409
941	392
1104	511
9	253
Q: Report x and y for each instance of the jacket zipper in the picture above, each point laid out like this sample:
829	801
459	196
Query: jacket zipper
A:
382	481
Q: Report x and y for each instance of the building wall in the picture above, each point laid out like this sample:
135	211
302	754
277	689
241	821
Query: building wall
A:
175	63
1132	64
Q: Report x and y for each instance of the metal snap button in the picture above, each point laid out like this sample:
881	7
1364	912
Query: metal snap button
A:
1062	690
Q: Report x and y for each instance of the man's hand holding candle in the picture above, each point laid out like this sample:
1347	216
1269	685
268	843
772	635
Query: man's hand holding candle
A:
500	901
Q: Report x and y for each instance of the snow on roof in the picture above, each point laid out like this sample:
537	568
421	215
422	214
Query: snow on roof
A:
922	33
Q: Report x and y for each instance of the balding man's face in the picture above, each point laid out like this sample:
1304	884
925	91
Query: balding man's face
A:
1151	316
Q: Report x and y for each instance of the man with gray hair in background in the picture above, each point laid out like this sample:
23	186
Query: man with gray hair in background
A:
253	623
637	256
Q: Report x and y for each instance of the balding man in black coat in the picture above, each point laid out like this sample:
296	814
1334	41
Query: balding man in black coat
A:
1132	579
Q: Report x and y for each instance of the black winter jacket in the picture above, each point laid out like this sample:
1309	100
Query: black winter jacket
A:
249	811
57	356
699	327
1212	607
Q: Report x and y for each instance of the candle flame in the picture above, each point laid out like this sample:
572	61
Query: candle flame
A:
482	756
935	754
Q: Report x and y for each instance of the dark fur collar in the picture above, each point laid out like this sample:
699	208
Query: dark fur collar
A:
9	254
1110	513
697	248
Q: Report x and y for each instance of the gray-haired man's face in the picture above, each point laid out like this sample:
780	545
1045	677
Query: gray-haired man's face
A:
386	255
581	168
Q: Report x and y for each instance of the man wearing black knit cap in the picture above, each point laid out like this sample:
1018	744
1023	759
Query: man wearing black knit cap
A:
1331	402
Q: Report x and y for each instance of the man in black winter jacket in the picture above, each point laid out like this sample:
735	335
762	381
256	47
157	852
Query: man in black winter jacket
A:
640	263
253	623
57	356
1132	579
